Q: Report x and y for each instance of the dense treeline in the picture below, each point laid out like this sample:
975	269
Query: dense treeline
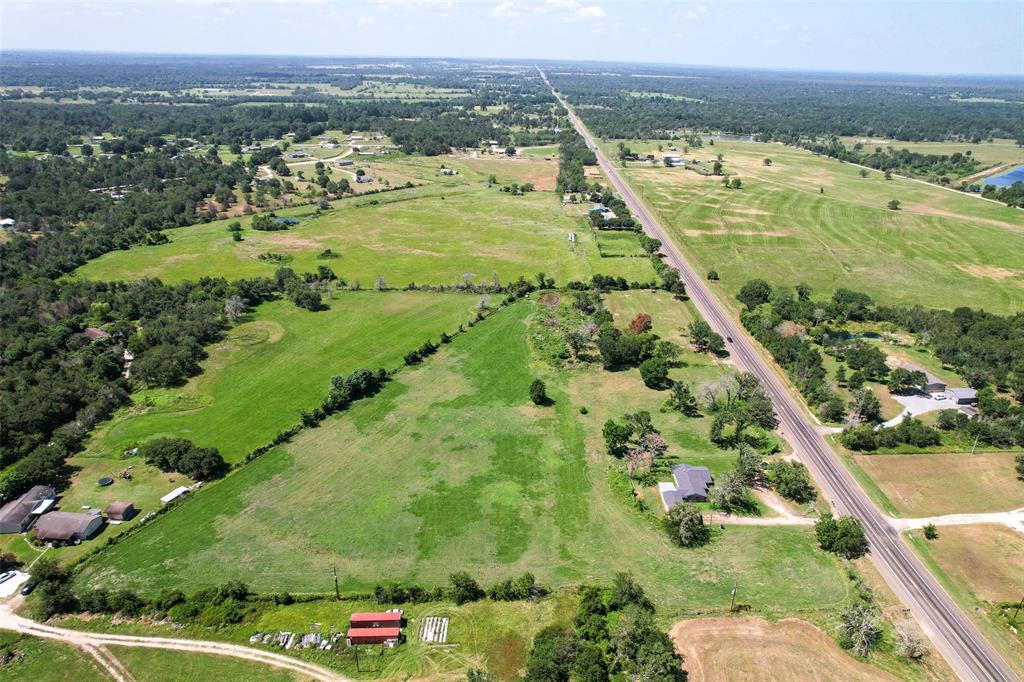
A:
573	155
791	106
936	166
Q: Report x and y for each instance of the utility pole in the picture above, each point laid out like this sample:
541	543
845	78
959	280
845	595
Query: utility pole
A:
973	447
337	592
732	606
1019	606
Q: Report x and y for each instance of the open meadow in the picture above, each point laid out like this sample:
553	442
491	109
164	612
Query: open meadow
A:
815	220
451	467
279	361
161	665
42	660
450	228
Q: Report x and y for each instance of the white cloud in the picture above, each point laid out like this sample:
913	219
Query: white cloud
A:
696	12
590	12
566	10
365	21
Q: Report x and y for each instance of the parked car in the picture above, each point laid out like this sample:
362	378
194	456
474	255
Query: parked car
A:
4	577
27	588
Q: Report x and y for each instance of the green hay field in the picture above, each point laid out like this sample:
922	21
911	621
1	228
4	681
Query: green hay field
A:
161	665
451	467
267	369
43	660
942	249
430	240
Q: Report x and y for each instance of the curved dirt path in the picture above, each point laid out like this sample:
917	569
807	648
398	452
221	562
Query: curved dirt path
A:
785	516
93	641
1013	519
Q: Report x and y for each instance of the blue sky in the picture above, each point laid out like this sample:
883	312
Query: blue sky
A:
911	37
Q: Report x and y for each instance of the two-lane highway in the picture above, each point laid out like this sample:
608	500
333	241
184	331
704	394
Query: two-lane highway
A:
959	640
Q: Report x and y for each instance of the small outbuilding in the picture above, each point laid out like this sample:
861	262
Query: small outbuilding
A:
120	511
19	514
373	635
963	396
7	222
95	334
174	494
376	619
62	526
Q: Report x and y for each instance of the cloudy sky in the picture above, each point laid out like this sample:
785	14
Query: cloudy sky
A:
910	37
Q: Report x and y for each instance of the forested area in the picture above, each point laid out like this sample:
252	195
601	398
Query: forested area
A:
792	106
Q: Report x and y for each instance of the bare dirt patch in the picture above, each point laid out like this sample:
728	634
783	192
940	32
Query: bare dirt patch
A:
735	233
987	271
754	649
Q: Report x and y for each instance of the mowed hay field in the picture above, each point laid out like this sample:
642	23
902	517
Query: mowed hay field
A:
750	649
942	249
452	468
278	362
998	152
936	484
451	227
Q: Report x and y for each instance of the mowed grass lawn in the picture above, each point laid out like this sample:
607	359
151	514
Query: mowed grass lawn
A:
280	361
435	236
941	249
452	468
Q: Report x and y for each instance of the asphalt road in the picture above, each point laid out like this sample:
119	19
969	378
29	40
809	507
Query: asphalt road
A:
956	637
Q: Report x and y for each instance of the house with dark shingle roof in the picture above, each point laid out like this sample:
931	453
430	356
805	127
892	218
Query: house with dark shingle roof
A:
18	515
691	485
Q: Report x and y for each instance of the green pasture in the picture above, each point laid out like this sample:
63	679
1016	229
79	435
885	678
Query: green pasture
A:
44	660
162	665
429	235
277	362
941	249
451	467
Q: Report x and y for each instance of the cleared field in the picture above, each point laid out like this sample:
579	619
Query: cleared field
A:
811	219
160	665
42	660
437	236
280	361
985	560
451	467
959	483
755	649
999	151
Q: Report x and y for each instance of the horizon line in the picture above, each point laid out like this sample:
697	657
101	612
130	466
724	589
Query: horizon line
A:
525	60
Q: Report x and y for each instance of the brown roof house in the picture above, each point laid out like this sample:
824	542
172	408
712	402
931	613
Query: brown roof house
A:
120	511
62	526
18	515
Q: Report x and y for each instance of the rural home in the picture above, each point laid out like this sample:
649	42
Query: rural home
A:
95	333
364	178
691	485
344	162
120	511
18	515
672	161
66	526
7	222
